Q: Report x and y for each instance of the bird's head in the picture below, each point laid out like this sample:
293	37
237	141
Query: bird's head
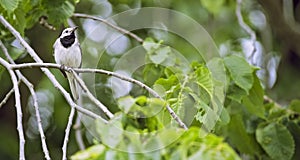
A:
68	32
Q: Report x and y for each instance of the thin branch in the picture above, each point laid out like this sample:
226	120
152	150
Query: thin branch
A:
35	103
7	96
44	23
245	26
18	108
122	30
109	73
46	71
67	131
78	134
91	96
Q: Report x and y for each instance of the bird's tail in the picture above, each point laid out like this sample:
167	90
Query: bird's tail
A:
73	86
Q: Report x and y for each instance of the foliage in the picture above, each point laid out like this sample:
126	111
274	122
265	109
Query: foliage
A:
188	145
222	100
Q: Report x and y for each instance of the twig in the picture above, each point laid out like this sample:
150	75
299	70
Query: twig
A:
109	73
18	108
122	30
46	71
78	134
7	96
35	104
245	26
67	131
44	23
91	96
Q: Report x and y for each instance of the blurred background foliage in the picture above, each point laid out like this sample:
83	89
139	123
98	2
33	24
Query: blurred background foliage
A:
278	57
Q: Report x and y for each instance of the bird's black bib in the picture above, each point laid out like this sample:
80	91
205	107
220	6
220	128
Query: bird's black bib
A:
67	41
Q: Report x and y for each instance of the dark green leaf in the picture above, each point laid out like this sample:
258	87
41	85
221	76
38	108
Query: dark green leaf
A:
276	140
238	136
254	101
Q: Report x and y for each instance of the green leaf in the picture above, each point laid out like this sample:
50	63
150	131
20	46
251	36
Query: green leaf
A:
295	105
125	103
236	93
204	79
105	131
254	101
239	137
276	140
240	71
160	55
207	116
9	5
213	6
59	12
91	153
150	45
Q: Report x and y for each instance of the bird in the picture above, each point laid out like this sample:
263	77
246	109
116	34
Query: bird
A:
67	52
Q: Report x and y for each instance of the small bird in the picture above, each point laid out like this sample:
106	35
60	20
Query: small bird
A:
67	52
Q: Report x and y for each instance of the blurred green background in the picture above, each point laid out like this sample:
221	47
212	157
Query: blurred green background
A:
278	55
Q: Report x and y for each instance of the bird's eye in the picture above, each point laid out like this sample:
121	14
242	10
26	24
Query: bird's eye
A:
66	31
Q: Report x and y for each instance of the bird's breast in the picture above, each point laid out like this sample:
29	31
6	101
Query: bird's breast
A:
70	56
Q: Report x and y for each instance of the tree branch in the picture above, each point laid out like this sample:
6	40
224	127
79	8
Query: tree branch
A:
47	72
245	26
35	103
109	73
90	95
18	108
122	30
7	96
67	131
78	134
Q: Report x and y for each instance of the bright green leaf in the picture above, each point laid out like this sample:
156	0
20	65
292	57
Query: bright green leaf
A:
295	105
204	79
9	5
276	140
213	6
240	71
91	153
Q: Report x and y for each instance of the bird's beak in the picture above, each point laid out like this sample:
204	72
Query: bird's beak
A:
74	28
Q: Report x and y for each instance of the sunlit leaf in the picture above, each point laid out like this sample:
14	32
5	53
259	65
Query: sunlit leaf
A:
240	71
204	79
9	5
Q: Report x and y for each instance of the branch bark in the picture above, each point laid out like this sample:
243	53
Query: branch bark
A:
109	73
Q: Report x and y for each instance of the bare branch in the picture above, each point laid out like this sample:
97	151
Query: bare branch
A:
245	26
67	131
18	108
44	23
91	96
122	30
78	134
35	103
7	96
46	71
109	73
